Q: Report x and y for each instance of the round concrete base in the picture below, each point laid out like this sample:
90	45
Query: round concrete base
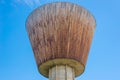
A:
77	66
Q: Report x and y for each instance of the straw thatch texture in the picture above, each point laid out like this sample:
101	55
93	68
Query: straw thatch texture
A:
60	30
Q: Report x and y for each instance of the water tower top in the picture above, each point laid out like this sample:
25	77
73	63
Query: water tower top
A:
60	34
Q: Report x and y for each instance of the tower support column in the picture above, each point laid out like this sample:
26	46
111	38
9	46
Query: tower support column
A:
61	72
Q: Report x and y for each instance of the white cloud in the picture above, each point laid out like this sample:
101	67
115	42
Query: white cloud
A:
29	3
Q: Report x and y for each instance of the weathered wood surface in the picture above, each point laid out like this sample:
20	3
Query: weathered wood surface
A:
60	30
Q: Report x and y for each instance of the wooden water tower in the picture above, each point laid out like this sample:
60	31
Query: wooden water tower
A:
60	34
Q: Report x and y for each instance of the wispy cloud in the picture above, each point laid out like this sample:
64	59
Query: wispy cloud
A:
29	3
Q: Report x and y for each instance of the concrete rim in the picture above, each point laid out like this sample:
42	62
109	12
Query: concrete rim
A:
78	67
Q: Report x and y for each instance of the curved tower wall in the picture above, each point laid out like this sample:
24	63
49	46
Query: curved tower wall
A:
60	34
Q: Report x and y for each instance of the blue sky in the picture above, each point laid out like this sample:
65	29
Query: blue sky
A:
17	61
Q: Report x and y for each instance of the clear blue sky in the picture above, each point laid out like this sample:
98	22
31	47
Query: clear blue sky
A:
17	61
